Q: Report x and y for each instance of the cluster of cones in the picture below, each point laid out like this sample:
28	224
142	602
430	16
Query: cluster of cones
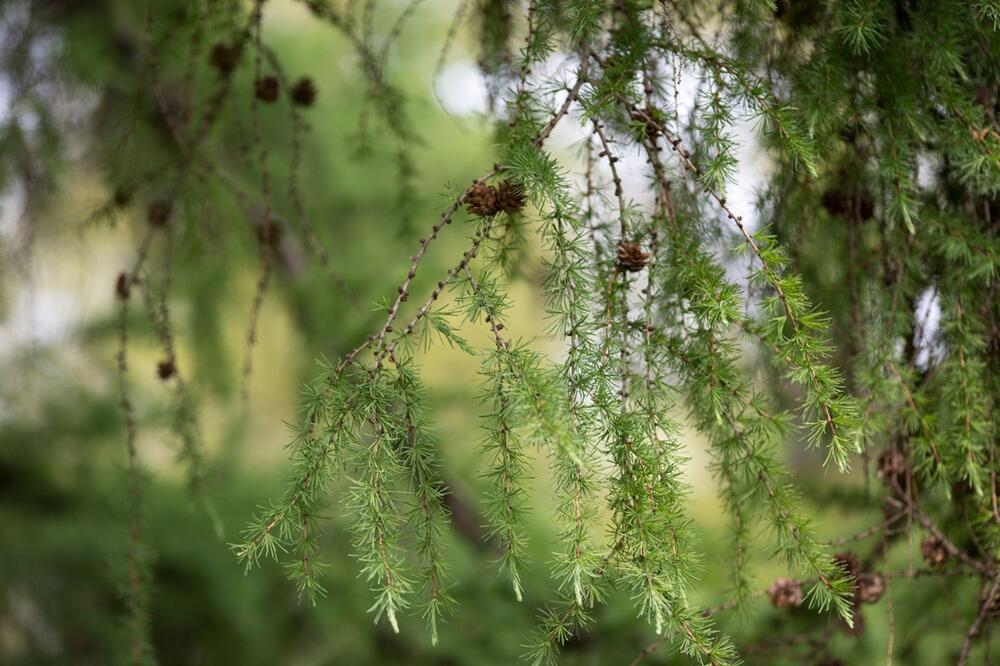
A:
486	200
225	58
303	93
868	586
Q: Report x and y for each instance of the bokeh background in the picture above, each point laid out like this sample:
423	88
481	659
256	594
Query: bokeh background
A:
65	104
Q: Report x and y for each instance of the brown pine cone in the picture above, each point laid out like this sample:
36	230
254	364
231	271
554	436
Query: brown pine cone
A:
158	212
269	235
224	57
934	551
841	204
631	257
785	593
304	92
849	563
166	369
510	197
481	199
836	202
866	207
652	128
122	286
267	89
870	587
892	468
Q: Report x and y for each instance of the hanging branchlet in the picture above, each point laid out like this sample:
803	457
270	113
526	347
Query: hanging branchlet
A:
388	100
330	416
503	445
266	90
333	424
429	511
567	286
184	422
793	328
740	429
136	588
651	556
372	499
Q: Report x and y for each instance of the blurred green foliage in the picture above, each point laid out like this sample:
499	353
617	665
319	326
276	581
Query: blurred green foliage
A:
62	497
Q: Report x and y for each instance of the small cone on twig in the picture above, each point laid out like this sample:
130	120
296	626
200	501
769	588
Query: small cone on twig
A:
842	204
269	235
224	57
870	587
785	593
166	369
304	92
848	562
510	197
481	199
267	89
892	468
631	257
934	551
123	286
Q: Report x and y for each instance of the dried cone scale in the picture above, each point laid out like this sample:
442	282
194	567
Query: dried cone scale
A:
631	257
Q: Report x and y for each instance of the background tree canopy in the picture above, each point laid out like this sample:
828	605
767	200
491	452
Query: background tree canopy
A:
577	331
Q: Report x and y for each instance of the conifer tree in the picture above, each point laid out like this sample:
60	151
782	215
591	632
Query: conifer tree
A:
851	316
